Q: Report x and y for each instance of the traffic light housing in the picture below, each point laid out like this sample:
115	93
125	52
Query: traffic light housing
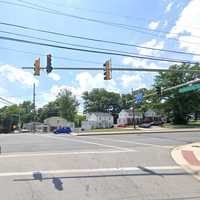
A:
49	67
37	67
158	90
107	70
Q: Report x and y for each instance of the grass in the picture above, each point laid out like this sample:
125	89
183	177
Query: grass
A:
113	129
191	124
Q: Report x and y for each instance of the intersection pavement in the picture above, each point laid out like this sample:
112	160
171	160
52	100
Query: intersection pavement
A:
138	166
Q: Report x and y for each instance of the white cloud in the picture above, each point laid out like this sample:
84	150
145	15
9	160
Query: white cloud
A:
169	7
85	82
151	44
134	81
154	25
14	74
54	76
165	23
138	63
189	18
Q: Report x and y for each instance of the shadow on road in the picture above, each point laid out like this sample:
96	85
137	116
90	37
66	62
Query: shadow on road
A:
58	184
144	172
37	176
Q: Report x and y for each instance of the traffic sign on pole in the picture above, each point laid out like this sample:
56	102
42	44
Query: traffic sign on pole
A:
189	88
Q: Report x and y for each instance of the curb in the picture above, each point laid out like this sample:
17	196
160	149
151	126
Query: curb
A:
135	132
186	157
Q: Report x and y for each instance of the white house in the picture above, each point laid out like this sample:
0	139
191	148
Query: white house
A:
152	115
56	122
126	117
98	120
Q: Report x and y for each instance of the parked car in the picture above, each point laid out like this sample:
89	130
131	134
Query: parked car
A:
63	130
122	126
145	125
157	123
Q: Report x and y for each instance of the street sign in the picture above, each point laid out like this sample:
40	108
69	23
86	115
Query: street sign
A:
138	98
189	88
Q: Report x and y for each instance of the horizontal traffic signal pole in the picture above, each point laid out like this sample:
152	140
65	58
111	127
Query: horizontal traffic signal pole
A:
175	87
118	69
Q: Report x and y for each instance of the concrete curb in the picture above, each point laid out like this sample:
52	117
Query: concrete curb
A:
136	132
188	157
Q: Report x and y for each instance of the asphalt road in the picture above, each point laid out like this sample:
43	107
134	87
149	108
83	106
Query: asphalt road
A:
114	167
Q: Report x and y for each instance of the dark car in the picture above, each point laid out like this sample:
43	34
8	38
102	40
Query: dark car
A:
157	123
66	130
145	125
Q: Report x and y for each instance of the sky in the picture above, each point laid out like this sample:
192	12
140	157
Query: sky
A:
169	16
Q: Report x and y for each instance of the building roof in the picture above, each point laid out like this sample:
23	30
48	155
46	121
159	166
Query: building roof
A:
100	114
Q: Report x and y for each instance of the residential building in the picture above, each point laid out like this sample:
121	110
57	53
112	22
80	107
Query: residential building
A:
56	122
126	117
98	120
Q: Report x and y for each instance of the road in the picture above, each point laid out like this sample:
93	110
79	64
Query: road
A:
111	167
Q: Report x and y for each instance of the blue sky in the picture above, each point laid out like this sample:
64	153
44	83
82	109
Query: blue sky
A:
165	15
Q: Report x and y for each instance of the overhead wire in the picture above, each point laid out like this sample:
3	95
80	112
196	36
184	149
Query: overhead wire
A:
99	21
119	25
98	52
96	40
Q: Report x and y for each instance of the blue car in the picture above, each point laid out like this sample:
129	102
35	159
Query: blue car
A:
66	130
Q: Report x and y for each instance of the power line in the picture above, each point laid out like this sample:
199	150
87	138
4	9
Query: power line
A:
54	56
76	45
98	52
71	44
97	20
119	25
97	40
7	101
117	14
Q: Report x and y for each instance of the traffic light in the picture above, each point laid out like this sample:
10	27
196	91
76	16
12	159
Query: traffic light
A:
107	70
37	67
158	90
49	67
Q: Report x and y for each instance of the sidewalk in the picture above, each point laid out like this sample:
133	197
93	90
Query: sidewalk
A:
188	156
140	131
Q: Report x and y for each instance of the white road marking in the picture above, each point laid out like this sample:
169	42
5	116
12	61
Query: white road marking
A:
88	142
131	142
96	170
40	154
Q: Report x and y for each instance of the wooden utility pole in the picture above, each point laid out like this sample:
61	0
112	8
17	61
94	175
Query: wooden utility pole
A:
133	109
34	110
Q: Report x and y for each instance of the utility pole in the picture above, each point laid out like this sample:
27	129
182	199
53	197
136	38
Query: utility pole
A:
133	109
34	110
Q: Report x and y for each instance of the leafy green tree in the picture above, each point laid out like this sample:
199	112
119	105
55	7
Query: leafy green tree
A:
100	100
67	105
177	105
49	110
26	111
79	119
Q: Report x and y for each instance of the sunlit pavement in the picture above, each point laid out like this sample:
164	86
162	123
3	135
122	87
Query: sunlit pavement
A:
47	166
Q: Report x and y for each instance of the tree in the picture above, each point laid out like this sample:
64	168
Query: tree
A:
79	119
26	111
177	105
49	110
67	105
100	100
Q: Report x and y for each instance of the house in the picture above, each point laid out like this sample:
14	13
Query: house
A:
56	122
152	115
98	120
36	126
126	117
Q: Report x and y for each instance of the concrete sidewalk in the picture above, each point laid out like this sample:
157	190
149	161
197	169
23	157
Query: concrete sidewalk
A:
188	156
140	131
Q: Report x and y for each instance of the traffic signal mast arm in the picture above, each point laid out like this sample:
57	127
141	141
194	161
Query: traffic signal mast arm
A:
175	87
